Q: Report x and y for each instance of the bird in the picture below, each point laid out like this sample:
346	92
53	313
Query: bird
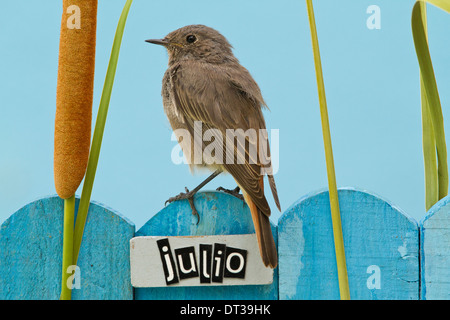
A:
206	88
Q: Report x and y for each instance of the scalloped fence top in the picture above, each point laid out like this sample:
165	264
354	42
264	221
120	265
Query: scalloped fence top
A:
389	255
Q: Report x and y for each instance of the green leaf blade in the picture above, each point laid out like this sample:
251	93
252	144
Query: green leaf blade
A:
98	132
434	144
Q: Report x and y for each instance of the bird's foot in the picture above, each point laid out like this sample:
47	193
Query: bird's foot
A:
188	195
234	192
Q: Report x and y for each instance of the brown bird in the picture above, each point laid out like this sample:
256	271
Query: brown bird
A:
206	88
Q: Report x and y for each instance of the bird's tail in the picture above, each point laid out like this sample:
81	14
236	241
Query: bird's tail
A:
264	235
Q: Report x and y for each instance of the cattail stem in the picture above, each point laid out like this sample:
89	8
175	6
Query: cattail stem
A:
69	217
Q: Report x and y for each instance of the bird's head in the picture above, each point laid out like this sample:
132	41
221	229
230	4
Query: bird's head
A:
197	42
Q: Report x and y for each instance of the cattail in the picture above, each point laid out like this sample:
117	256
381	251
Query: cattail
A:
74	94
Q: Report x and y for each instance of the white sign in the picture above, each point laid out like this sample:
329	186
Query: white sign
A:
218	260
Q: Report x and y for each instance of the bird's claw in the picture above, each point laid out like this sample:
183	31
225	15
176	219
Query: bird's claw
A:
234	192
181	196
188	195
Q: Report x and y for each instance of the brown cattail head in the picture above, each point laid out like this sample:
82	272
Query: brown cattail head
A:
74	94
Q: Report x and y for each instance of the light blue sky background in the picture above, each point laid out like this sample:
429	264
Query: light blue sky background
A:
371	79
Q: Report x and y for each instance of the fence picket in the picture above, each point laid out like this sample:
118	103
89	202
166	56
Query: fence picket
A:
220	213
435	252
381	247
31	250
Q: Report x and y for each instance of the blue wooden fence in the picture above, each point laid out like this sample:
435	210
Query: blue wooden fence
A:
31	253
435	252
220	213
381	248
389	255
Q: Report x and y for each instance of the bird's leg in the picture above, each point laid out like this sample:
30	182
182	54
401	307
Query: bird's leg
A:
189	195
234	192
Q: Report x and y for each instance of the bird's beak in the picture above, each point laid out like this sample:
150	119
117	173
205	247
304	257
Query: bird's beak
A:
162	42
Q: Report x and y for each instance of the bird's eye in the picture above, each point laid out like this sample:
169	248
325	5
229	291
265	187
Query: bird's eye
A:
191	38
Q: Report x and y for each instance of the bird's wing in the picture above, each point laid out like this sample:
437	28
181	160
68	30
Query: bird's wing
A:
226	98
